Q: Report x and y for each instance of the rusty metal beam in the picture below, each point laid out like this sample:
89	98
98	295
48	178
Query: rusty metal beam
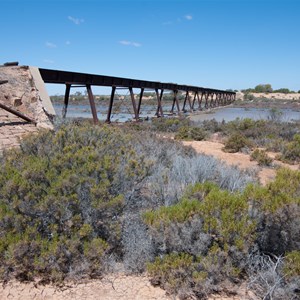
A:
63	77
66	100
92	103
111	102
159	110
211	100
17	113
140	100
200	101
135	110
175	101
194	100
206	100
217	97
185	99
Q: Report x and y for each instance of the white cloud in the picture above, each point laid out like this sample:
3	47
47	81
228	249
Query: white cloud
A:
136	44
128	43
179	20
48	61
50	45
75	20
68	43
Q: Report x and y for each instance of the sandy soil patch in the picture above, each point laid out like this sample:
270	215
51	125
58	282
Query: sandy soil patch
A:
110	288
241	160
117	287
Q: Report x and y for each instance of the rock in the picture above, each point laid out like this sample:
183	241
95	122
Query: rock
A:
17	102
25	90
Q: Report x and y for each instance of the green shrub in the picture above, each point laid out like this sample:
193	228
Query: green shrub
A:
261	157
282	90
249	96
292	264
171	270
223	215
236	142
226	227
189	133
62	199
277	208
263	88
291	150
218	221
168	124
212	126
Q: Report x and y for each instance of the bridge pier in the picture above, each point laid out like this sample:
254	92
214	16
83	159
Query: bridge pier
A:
110	105
194	100
92	103
135	110
159	110
66	100
175	101
140	100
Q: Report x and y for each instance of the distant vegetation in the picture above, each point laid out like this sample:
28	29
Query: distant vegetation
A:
82	200
242	135
266	88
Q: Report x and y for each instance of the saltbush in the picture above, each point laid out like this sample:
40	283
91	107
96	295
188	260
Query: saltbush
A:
261	157
211	226
292	264
236	143
277	209
291	150
220	231
70	199
188	133
62	198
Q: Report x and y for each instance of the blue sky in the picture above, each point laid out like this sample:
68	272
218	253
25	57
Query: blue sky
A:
212	43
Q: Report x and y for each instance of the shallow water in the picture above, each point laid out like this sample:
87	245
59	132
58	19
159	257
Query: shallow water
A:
121	114
231	113
227	114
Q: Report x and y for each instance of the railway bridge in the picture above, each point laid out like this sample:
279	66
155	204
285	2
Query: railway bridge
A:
195	98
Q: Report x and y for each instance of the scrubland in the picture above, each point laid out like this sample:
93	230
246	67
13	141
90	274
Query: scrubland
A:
83	201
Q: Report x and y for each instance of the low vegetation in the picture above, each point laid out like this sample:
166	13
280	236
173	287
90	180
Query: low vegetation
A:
69	198
83	200
240	135
261	157
211	236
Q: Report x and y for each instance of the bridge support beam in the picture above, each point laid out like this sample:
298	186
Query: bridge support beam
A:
200	101
175	101
111	102
187	99
140	100
66	100
193	103
159	110
92	103
135	110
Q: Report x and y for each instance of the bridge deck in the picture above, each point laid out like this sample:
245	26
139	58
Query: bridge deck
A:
212	97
